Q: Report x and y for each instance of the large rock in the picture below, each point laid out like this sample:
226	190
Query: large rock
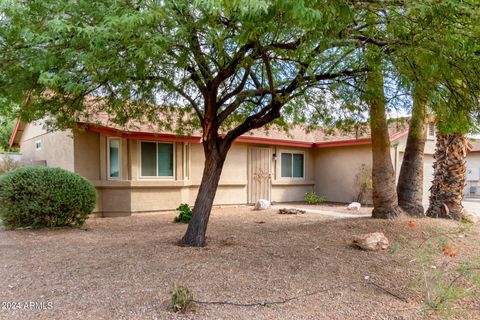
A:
371	241
354	206
469	216
262	204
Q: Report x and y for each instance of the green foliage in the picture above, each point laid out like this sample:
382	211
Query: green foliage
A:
185	214
313	198
44	197
181	298
6	129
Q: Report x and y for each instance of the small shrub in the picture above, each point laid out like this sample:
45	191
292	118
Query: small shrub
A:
185	214
313	198
181	299
45	197
8	164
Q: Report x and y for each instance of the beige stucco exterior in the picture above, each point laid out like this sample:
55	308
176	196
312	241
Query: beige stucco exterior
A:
329	171
336	168
53	148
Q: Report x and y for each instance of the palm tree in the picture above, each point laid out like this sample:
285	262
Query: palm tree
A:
446	193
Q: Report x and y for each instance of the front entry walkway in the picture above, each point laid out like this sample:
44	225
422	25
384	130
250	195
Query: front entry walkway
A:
333	214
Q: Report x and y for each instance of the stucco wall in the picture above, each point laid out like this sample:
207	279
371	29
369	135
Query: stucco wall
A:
56	147
87	155
335	171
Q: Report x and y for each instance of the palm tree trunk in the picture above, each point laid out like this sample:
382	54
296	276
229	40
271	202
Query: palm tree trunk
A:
446	193
410	181
385	201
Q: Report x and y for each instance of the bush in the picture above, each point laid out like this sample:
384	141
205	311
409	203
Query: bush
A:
313	198
44	197
185	214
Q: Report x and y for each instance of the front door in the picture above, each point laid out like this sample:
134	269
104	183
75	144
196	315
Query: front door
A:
259	175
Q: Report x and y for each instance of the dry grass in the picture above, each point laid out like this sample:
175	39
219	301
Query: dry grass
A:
124	268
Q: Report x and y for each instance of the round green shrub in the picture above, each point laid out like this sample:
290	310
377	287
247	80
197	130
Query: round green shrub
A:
44	197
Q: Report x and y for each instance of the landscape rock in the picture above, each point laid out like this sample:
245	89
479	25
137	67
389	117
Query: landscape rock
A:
291	211
262	204
469	216
354	206
371	241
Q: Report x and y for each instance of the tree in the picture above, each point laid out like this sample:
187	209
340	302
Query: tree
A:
385	202
6	129
223	66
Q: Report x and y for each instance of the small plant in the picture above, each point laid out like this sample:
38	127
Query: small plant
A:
185	214
181	298
363	184
8	164
442	280
313	198
40	197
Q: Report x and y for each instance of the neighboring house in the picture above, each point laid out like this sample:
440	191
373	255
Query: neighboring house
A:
472	187
143	170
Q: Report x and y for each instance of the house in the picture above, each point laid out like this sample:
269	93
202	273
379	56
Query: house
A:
144	170
472	187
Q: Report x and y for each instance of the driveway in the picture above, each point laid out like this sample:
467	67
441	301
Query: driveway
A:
472	205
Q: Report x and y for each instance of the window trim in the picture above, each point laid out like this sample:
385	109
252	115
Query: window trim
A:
174	161
38	145
119	159
431	136
280	152
186	161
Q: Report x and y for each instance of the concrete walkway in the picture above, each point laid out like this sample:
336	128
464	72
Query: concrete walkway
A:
333	214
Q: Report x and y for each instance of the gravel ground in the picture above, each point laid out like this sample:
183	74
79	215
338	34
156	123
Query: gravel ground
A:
124	268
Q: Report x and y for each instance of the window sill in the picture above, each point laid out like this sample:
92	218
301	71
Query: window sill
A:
296	182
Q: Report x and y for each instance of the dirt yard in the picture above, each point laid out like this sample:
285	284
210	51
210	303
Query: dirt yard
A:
124	268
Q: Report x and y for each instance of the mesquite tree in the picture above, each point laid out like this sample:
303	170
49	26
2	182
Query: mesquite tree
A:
221	66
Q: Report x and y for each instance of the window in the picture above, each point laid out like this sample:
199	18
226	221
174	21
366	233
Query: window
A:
292	165
186	161
38	145
431	130
114	158
156	159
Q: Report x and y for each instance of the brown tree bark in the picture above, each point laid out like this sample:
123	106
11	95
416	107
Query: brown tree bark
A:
215	155
385	202
410	181
446	193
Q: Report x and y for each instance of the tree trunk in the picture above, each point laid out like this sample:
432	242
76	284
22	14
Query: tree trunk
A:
197	228
410	181
385	202
446	193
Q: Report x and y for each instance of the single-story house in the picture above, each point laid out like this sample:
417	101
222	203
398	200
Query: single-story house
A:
143	170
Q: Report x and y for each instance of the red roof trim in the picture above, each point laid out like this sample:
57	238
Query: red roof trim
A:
11	141
140	135
343	143
397	135
280	142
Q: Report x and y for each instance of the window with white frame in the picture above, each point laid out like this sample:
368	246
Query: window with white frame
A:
114	160
38	145
431	130
292	165
157	159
